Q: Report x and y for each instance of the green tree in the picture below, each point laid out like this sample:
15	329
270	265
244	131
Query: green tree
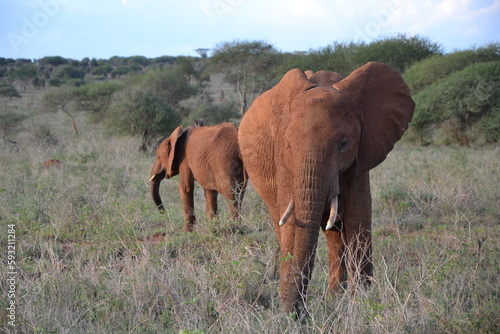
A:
53	61
461	108
62	99
23	74
399	52
432	69
168	84
101	70
213	114
139	111
96	97
248	65
119	71
140	61
68	72
7	92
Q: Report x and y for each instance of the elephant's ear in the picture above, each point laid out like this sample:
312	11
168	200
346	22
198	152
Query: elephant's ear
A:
171	159
294	82
387	108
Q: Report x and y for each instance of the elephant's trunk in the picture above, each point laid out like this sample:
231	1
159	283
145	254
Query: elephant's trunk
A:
157	174
300	237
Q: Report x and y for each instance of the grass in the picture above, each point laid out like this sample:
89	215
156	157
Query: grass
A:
94	255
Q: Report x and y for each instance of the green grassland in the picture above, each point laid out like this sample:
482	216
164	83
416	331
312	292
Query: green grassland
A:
93	254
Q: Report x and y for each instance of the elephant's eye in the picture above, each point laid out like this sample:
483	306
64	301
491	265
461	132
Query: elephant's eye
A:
343	145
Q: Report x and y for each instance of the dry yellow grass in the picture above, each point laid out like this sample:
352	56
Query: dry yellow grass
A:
87	262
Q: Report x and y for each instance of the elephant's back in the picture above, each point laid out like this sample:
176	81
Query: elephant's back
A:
214	154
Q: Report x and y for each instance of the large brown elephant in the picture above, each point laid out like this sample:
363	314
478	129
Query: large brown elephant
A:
209	155
308	145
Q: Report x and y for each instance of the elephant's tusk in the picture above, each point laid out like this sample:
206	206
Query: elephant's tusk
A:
287	213
333	213
152	178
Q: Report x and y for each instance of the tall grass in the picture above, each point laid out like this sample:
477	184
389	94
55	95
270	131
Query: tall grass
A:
95	256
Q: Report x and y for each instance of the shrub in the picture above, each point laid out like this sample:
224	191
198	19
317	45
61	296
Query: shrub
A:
119	71
399	52
53	60
213	114
68	72
22	74
138	111
437	67
101	70
96	97
7	91
168	84
55	82
464	106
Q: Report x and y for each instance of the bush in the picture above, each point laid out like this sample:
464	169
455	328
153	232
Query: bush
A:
399	52
68	72
119	71
23	74
465	107
213	114
7	91
55	82
101	70
53	60
168	84
138	111
96	97
432	69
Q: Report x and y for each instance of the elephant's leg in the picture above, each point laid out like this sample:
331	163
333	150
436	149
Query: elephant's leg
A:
211	202
357	225
240	188
186	189
360	256
275	217
336	259
232	202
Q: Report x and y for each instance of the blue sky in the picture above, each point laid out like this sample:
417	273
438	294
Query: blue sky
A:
152	28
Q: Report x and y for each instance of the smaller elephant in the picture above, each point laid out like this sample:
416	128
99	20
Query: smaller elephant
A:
209	155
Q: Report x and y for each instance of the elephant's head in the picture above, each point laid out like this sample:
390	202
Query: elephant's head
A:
166	164
300	139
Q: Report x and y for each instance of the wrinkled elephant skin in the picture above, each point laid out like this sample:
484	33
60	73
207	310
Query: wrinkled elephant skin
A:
308	145
209	155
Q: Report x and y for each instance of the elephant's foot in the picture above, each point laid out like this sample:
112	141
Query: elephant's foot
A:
189	223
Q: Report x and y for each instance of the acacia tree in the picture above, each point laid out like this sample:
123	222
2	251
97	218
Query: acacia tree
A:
248	65
61	99
7	92
137	110
23	74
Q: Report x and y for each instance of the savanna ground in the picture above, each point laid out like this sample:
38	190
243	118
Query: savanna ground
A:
93	255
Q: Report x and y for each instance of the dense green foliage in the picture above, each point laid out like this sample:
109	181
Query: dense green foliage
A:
137	111
399	52
169	84
248	65
215	113
23	74
465	106
437	67
7	91
95	97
